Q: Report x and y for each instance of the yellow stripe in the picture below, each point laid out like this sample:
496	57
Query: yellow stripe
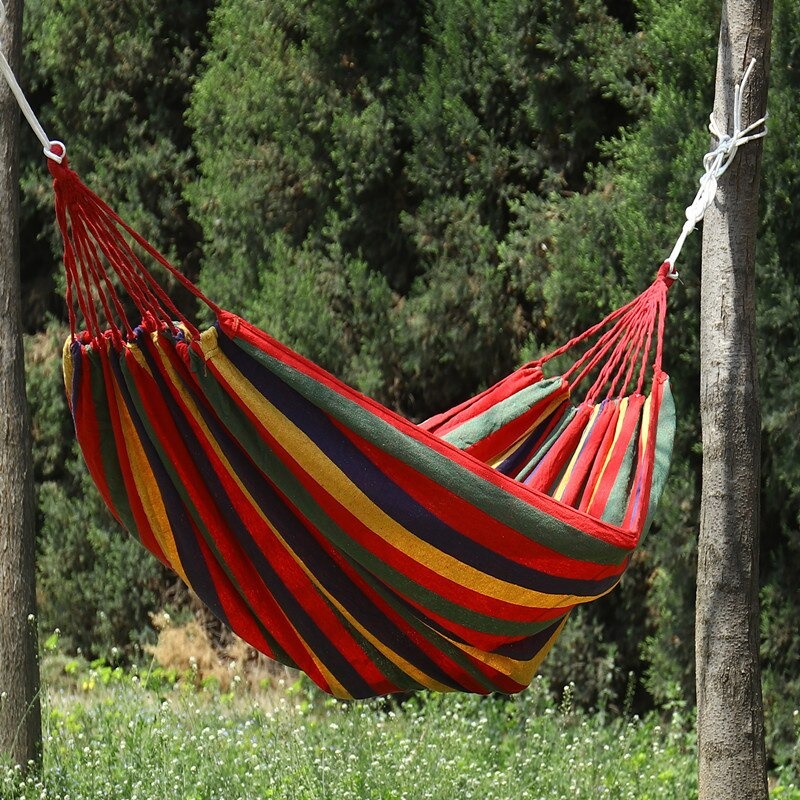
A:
177	383
623	407
520	672
644	431
327	474
67	369
146	485
559	493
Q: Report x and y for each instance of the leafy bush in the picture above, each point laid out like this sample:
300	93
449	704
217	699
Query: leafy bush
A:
382	150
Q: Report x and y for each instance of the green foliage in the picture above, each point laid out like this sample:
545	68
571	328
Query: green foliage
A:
332	305
51	425
329	136
96	583
111	79
295	133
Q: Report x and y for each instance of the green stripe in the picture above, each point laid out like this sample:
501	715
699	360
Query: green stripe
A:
665	437
568	414
620	494
272	466
110	454
507	509
501	414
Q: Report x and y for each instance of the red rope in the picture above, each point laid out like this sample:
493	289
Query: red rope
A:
623	345
88	255
98	244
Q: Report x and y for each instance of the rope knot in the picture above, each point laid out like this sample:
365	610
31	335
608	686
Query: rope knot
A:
716	162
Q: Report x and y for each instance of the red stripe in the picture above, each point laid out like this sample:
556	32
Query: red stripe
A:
488	642
555	418
500	440
236	327
447	421
144	529
600	457
640	498
86	430
89	438
475	524
263	604
549	469
588	455
237	612
611	473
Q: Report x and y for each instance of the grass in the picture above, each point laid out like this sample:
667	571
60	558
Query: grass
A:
117	736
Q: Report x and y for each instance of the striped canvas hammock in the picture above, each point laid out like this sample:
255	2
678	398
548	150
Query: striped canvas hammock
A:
327	531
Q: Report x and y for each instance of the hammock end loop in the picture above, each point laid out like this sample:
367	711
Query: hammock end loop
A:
668	273
56	151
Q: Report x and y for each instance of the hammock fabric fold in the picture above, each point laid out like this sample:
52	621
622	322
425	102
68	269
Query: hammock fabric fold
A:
329	532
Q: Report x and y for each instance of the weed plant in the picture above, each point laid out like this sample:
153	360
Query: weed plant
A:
117	735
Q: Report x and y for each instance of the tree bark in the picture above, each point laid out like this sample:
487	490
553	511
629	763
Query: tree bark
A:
730	724
20	717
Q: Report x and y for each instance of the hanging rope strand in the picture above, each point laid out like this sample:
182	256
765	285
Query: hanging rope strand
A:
25	106
716	162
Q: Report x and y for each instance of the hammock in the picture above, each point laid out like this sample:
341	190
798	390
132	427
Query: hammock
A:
329	532
332	534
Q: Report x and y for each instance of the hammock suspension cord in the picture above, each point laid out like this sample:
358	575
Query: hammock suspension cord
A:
25	107
716	162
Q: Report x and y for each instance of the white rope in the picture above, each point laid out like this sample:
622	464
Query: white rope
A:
715	162
25	107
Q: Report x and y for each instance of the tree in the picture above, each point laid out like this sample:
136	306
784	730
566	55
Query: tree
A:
730	724
20	718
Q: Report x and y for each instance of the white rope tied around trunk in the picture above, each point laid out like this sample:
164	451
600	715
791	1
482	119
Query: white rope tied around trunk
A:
715	162
25	107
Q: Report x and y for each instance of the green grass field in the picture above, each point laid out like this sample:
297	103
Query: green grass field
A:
110	735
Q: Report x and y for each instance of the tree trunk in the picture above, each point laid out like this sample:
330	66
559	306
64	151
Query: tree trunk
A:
730	724
20	718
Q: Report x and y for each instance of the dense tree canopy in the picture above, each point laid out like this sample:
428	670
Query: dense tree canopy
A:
419	195
385	152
